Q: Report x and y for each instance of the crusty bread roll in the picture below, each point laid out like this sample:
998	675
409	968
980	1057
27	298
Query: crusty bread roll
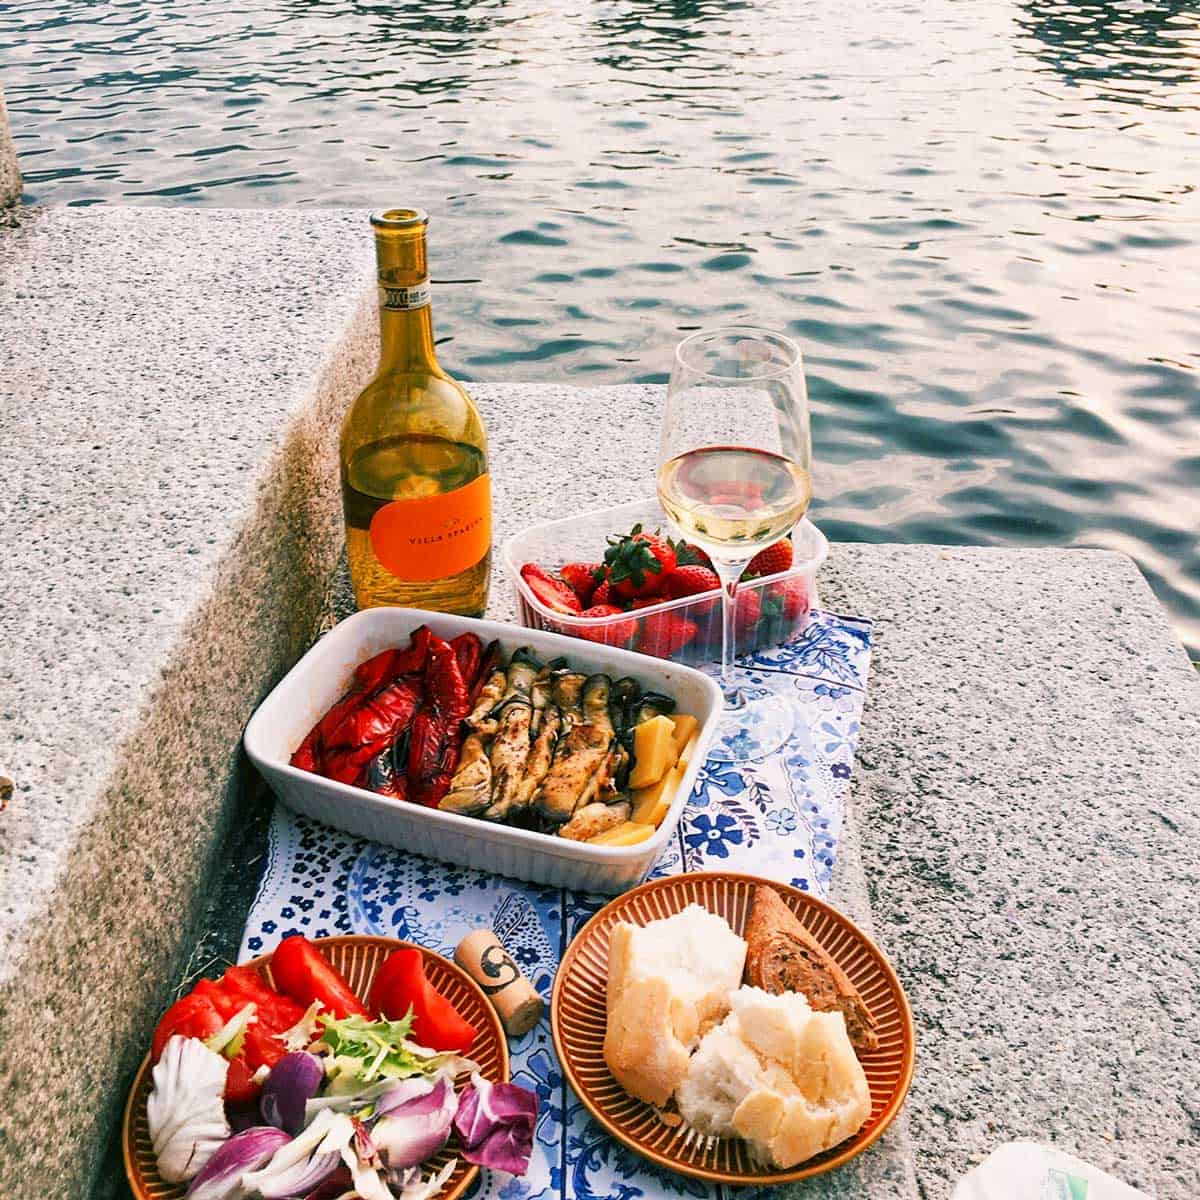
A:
784	957
668	983
781	1076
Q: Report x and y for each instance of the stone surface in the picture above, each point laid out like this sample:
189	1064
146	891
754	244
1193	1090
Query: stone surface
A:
1026	795
1023	835
169	397
10	174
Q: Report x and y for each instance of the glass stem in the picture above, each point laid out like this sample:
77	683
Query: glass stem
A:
729	574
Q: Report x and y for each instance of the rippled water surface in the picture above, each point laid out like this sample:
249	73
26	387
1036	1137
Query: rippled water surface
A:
979	217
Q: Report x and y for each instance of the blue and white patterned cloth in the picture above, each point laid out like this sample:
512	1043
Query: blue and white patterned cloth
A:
778	816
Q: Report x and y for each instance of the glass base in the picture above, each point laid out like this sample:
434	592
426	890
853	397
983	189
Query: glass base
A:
754	729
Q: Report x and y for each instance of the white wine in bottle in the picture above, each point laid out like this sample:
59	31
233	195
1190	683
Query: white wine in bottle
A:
415	485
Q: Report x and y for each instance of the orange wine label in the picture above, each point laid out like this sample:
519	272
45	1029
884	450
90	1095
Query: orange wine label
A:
433	537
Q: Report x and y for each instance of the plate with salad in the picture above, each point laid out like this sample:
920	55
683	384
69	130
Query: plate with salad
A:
340	1067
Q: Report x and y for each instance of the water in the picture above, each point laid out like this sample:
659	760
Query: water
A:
979	217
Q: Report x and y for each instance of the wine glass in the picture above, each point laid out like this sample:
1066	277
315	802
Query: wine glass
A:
734	476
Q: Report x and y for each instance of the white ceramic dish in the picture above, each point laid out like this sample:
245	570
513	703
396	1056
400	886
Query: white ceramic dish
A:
323	675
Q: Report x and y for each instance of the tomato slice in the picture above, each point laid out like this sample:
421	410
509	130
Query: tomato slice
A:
192	1016
302	972
401	984
273	1011
240	1087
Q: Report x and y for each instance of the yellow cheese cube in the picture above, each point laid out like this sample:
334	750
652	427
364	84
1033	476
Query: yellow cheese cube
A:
685	729
685	755
653	751
650	804
627	834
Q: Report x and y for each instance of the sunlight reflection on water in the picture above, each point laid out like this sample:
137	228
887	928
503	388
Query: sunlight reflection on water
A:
979	219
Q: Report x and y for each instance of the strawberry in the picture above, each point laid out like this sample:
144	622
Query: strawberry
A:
616	634
550	590
772	560
692	581
602	594
665	634
582	578
695	581
638	564
689	555
790	598
749	609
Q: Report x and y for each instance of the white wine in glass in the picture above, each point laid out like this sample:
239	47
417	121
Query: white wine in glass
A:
728	498
734	477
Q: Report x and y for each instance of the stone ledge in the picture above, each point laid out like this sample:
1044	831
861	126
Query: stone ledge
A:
170	402
1027	798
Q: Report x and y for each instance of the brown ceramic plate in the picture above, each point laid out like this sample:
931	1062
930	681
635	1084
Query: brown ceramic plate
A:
357	958
577	1021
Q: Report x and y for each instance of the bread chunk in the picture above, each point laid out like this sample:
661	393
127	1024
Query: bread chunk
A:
669	982
779	1075
784	957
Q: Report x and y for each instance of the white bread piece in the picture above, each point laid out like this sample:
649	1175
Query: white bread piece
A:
668	983
781	1076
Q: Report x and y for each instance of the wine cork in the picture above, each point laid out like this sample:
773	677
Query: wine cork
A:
483	957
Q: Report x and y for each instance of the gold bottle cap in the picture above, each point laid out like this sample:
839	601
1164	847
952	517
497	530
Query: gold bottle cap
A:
399	218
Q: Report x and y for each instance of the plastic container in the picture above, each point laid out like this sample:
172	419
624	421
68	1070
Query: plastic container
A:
770	610
307	692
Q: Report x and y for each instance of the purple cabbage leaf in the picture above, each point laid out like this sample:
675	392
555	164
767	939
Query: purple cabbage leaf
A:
495	1122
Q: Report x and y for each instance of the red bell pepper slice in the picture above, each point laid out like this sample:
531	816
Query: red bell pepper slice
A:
401	984
305	974
210	1004
371	729
436	739
324	748
468	650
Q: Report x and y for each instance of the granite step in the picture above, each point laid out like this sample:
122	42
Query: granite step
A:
1023	835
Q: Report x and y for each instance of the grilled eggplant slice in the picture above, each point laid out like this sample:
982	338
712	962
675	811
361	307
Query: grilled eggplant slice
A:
622	703
510	749
580	752
541	754
539	694
567	692
596	692
481	718
471	788
654	704
592	819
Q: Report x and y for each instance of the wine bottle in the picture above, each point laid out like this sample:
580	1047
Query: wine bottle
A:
415	485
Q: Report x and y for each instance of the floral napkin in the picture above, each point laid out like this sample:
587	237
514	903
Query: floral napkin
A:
778	814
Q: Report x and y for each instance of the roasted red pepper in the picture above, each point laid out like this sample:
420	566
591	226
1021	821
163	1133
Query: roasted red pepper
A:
398	731
468	650
305	974
367	721
386	667
400	985
484	671
369	730
436	738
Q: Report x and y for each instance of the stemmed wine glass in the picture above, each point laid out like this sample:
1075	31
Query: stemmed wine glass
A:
733	477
